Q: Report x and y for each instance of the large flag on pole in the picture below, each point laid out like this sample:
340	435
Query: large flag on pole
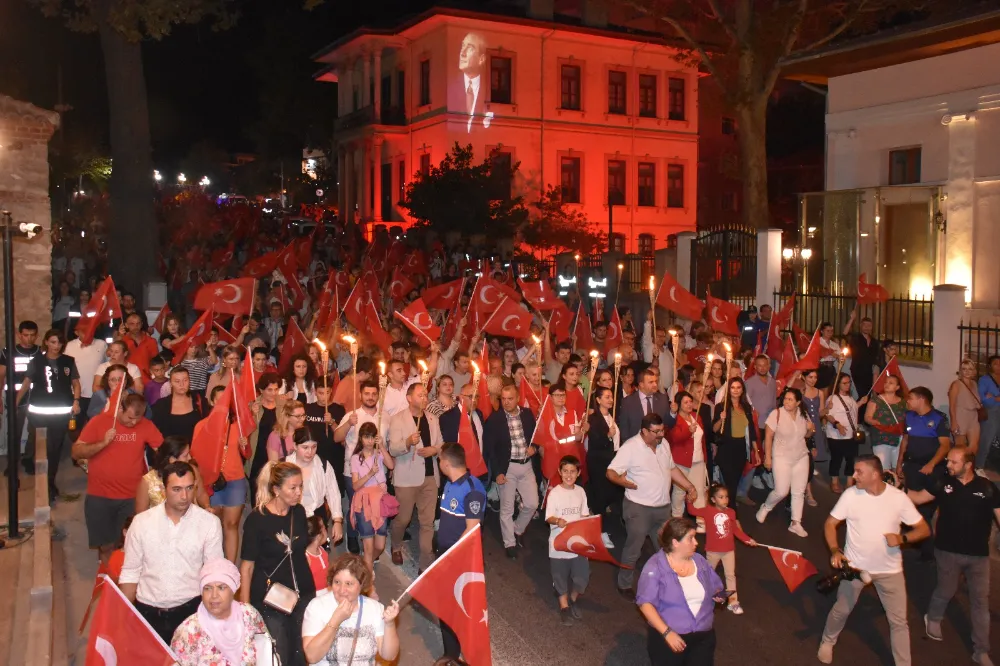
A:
119	635
677	299
227	296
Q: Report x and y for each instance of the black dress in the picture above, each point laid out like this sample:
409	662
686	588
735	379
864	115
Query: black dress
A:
601	493
261	545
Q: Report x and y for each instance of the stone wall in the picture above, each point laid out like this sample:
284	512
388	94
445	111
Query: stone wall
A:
24	191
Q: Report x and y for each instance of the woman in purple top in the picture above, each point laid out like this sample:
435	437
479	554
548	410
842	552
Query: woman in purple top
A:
676	594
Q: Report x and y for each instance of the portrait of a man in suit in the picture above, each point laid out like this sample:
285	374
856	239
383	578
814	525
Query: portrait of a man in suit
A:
472	60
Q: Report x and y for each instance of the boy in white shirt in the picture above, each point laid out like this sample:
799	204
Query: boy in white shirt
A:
566	503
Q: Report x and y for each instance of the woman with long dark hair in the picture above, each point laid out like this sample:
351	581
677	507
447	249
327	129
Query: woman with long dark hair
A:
300	382
787	455
603	441
842	426
180	411
736	434
370	465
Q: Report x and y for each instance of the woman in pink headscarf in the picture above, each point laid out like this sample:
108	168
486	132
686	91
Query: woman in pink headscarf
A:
222	631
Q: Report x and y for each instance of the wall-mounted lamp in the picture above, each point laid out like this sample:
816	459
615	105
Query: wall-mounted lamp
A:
941	222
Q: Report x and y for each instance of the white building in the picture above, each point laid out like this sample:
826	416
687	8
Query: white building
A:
912	161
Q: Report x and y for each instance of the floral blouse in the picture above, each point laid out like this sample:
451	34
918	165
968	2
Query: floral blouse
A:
194	647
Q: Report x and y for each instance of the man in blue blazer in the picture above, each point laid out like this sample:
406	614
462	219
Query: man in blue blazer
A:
647	398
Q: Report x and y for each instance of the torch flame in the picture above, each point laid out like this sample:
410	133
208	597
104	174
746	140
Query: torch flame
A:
728	348
652	283
845	351
381	367
475	368
593	353
319	343
536	339
711	357
422	364
349	339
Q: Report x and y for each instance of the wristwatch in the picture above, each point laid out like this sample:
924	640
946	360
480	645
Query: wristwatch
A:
666	631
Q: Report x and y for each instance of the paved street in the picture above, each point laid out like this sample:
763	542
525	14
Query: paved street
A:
778	628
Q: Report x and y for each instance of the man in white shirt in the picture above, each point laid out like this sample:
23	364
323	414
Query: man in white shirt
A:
395	393
88	358
347	432
165	549
644	467
874	511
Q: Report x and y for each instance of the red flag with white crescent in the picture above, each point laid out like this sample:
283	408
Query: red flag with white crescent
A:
295	342
102	307
809	360
488	294
261	266
539	294
891	368
530	398
161	319
677	299
560	322
376	333
119	635
614	338
583	537
722	315
416	318
444	296
400	286
793	567
467	438
226	296
581	330
509	320
196	335
870	293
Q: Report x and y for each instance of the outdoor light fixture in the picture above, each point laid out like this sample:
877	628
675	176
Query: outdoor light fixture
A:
204	182
157	176
788	253
807	254
181	178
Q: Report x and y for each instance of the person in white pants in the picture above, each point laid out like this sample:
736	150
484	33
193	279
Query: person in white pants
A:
787	455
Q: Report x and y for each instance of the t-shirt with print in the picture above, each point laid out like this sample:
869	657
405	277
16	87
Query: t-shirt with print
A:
570	504
869	518
318	613
720	527
115	471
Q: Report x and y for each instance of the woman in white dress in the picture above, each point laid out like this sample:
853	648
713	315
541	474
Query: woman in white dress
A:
787	455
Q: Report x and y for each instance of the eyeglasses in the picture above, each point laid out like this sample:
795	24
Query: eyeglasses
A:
658	432
298	416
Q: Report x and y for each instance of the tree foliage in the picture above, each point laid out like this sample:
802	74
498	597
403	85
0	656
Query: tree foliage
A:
461	196
138	19
742	44
554	228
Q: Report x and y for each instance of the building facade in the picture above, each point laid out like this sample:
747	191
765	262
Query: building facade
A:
609	117
912	171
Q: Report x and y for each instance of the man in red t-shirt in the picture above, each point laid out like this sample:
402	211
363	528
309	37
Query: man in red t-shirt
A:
114	446
141	347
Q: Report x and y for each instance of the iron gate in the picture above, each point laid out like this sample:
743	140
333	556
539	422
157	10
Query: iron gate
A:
724	260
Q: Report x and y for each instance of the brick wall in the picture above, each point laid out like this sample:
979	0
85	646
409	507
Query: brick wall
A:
25	131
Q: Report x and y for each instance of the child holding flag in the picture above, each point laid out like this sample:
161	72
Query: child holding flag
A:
721	525
566	503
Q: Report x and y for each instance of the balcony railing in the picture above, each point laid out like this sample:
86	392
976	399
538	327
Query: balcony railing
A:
389	115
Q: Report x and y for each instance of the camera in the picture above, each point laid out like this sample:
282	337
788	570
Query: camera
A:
830	582
30	230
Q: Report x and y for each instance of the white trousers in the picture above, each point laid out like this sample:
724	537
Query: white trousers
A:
791	473
697	474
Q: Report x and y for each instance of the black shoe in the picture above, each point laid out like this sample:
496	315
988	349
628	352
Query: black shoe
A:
29	467
512	553
353	546
519	540
565	618
574	610
627	592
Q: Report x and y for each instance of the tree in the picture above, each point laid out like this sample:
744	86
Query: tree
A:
459	196
554	228
121	26
742	43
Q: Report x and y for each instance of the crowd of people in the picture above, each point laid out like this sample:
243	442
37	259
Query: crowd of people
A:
221	543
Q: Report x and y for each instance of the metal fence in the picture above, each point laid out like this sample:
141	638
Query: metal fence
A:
724	261
638	268
535	269
979	343
908	321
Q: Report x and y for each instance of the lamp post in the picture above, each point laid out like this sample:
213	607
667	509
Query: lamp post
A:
806	254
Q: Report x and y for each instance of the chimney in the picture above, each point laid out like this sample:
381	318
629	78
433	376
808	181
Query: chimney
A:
594	13
540	9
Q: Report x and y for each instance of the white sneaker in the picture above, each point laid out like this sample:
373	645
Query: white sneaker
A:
825	653
762	513
796	529
608	543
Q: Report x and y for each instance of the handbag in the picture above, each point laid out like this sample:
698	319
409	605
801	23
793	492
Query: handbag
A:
278	596
859	435
981	412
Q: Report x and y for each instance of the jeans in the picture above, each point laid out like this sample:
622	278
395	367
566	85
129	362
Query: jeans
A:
640	521
951	567
520	478
989	429
891	590
791	474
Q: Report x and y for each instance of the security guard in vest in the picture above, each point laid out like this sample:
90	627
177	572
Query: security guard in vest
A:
463	504
54	398
922	453
25	349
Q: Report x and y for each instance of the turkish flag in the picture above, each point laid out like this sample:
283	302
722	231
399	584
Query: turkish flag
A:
236	327
453	588
102	307
793	567
354	306
891	368
556	440
377	266
415	264
246	390
583	537
196	335
677	299
119	635
294	343
529	398
509	320
227	296
161	319
779	322
539	294
376	333
288	266
444	296
400	286
115	399
222	257
416	318
801	338
870	293
559	322
467	438
786	363
303	252
483	401
488	294
722	315
615	337
342	280
224	335
581	330
261	266
211	434
809	360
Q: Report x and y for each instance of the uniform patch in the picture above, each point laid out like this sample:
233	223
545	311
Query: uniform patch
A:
66	371
453	504
475	506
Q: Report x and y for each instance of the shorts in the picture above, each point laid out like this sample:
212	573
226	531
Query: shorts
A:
105	518
365	529
575	570
234	494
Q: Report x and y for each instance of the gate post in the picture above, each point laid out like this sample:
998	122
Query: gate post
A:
949	309
685	259
768	265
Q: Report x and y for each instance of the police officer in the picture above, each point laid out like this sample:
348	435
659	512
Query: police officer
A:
968	506
463	504
922	452
748	335
25	349
54	383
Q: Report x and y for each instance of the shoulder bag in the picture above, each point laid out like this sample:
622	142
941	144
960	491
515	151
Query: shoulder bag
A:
357	630
859	435
278	596
981	412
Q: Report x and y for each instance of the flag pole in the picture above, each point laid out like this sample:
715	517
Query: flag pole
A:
473	531
784	550
505	298
253	296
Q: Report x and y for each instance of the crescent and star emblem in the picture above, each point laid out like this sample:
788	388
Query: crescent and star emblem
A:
237	291
715	315
673	294
482	295
416	321
613	327
503	324
107	651
577	543
392	287
793	567
460	583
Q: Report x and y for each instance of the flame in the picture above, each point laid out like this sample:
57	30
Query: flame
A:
475	368
728	348
422	364
350	339
536	339
711	357
593	353
381	367
845	351
652	283
319	343
618	357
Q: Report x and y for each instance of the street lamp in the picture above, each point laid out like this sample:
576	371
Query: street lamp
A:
806	256
204	182
10	228
181	178
157	176
788	253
